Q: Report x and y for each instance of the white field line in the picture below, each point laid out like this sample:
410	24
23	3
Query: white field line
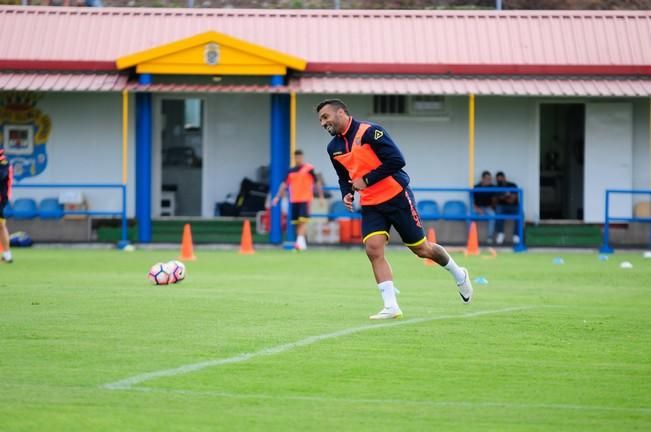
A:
129	382
415	402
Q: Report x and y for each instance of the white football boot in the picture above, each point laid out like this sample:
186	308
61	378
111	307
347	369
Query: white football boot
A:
387	313
465	288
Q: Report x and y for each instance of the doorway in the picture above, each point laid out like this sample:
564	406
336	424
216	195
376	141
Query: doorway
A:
182	153
562	156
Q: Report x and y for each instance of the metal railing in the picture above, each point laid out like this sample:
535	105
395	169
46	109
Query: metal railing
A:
122	188
605	246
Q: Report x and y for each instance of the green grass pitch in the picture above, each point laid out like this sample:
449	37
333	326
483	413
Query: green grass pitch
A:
542	346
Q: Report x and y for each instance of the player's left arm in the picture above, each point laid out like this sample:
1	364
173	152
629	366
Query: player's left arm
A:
386	150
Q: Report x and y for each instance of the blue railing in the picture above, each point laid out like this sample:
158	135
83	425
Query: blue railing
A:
122	213
470	215
605	247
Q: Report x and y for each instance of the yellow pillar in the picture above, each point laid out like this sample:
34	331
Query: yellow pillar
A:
125	134
292	127
471	140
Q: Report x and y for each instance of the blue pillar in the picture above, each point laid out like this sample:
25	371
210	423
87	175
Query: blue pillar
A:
279	157
143	161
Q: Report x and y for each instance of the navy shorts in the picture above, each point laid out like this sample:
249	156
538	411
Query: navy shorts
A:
300	212
399	212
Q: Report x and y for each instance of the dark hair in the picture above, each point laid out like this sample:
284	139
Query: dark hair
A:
336	104
485	173
298	152
500	174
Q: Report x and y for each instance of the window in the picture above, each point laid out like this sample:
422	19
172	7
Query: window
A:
427	104
193	114
389	104
424	105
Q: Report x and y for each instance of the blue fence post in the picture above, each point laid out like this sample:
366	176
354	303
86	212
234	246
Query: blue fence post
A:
520	246
125	240
605	247
471	209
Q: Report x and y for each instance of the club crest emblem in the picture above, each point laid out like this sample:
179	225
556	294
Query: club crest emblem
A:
211	54
24	130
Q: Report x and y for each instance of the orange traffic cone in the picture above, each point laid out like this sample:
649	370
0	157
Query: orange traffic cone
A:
431	237
246	245
187	250
473	243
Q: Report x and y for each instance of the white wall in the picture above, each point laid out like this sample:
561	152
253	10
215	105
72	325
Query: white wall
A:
507	140
236	143
85	146
641	144
608	158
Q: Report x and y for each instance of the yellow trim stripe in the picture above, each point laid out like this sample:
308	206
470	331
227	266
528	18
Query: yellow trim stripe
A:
375	233
125	134
300	220
471	140
207	37
418	243
292	127
172	69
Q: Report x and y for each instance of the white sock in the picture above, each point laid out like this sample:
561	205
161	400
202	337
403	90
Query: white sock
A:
300	242
388	292
6	255
456	272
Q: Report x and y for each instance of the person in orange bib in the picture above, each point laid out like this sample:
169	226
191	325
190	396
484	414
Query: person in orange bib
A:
301	180
5	194
368	162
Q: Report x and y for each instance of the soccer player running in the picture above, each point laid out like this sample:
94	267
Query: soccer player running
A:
300	180
368	161
5	194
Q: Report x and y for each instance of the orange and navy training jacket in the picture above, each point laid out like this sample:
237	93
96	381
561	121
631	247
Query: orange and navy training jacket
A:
365	150
301	180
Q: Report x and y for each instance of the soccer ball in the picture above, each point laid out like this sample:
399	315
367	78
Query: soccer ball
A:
159	274
177	271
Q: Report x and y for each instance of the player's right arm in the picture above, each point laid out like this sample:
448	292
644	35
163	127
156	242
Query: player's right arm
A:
280	193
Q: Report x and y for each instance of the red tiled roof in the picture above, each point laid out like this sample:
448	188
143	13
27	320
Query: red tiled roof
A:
526	42
408	85
205	88
70	82
486	86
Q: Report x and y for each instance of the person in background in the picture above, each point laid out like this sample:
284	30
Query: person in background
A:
5	195
301	181
483	202
506	203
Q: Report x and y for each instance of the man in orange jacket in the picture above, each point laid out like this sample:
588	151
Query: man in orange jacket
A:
367	161
300	180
